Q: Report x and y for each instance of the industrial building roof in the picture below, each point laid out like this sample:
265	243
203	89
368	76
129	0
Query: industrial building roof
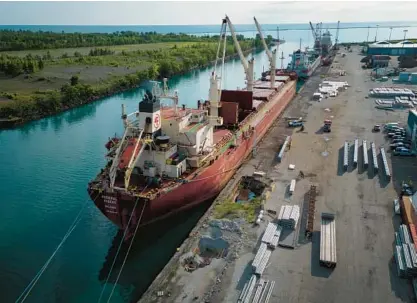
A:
386	44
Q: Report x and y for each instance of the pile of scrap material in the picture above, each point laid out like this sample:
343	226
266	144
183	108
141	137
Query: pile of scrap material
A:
289	216
191	261
405	253
407	62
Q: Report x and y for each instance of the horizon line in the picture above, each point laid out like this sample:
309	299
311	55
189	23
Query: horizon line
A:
215	24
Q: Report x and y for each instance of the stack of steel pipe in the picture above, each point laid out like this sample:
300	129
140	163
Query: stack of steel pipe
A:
247	291
258	290
259	255
288	216
404	234
405	253
266	295
399	260
265	258
407	259
346	155
365	154
355	152
282	151
275	239
385	162
374	157
269	233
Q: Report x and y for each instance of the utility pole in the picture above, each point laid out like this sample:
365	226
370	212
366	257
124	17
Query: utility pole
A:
367	37
405	34
376	33
389	39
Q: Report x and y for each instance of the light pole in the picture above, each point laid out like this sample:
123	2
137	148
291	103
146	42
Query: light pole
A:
367	36
389	39
376	33
405	34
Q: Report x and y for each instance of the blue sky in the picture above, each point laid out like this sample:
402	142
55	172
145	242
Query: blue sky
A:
143	12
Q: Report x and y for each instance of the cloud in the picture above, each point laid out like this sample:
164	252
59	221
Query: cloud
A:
209	12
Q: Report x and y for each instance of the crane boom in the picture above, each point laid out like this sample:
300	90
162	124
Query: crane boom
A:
268	52
247	66
313	31
336	46
271	55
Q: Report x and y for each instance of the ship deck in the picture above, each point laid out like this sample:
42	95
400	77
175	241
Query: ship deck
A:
127	153
220	137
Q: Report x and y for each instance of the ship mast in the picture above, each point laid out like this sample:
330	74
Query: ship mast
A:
247	66
271	55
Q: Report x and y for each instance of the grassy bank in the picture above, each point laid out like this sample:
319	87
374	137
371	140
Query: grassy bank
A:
38	83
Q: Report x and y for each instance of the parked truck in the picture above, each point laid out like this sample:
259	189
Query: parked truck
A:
328	240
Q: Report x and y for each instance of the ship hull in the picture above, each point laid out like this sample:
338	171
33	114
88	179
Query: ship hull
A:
118	206
311	69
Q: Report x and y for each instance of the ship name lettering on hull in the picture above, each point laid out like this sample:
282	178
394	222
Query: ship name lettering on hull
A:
110	205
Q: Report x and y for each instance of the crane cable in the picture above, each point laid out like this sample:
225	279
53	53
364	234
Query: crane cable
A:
120	245
128	250
32	283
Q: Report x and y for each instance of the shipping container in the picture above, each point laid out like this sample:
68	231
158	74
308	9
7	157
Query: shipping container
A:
243	97
403	77
413	78
229	111
407	211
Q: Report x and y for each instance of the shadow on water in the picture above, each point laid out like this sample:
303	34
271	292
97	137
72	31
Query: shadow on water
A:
57	122
153	247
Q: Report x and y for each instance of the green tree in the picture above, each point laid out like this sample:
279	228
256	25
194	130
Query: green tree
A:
74	80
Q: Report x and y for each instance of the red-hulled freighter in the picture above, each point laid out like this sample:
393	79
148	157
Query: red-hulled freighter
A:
171	159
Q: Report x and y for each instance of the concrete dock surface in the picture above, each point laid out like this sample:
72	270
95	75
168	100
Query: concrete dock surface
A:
361	199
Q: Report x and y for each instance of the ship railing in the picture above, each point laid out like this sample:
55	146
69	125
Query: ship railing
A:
122	146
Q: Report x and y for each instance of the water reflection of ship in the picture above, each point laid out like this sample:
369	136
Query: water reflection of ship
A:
153	247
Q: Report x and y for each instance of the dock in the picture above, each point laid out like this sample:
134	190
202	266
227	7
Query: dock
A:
360	197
